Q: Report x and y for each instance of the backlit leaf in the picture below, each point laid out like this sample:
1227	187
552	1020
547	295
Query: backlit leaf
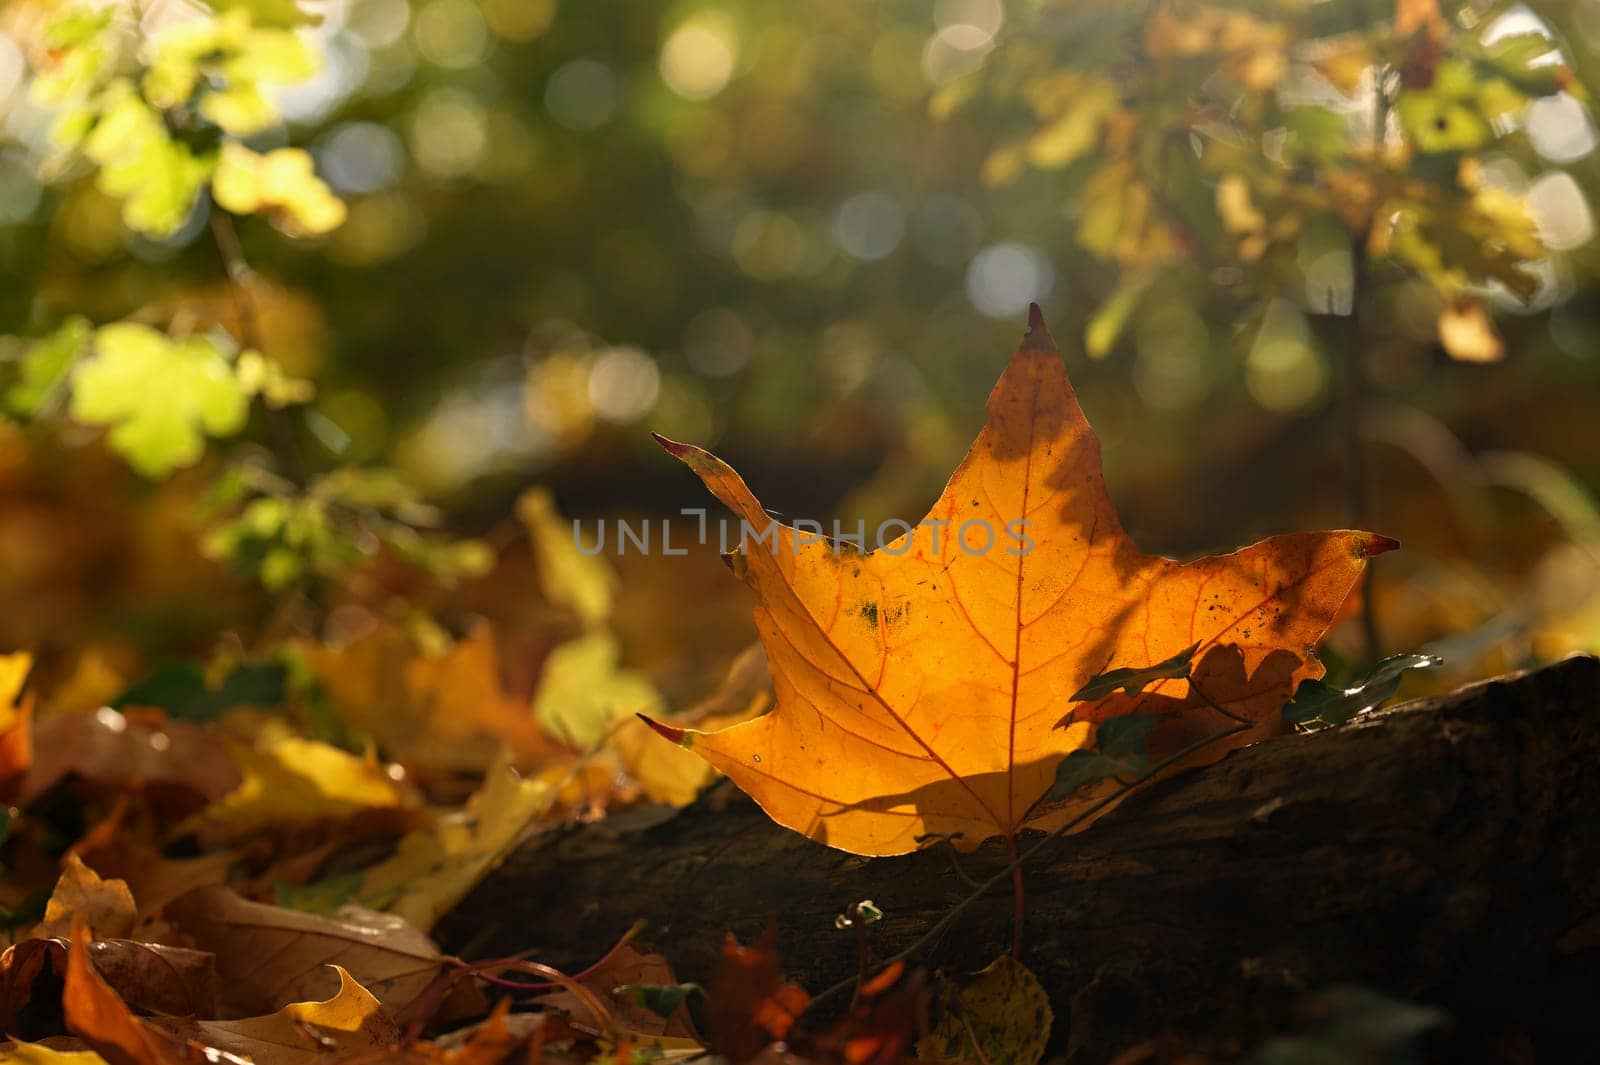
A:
160	397
919	687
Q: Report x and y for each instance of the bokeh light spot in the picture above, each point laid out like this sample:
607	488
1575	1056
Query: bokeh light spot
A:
698	59
1004	278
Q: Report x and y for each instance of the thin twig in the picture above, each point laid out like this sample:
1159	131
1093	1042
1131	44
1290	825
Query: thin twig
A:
241	282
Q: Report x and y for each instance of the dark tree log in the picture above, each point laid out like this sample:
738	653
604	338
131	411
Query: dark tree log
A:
1445	851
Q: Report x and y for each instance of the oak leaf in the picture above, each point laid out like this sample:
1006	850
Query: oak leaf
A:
919	687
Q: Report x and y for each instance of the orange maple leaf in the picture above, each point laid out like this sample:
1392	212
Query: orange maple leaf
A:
926	688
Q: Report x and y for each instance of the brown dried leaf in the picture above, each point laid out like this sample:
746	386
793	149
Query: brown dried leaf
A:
270	957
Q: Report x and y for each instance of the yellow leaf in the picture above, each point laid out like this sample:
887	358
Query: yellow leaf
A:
23	1053
291	781
1076	130
350	1022
1467	333
920	687
1239	214
1002	1017
282	182
674	775
569	578
583	689
440	709
16	723
433	868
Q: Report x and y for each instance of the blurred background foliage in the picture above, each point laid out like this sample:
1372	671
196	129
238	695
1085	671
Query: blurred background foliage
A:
298	300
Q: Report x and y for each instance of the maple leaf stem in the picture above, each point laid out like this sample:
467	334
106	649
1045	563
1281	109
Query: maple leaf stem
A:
1000	876
1017	896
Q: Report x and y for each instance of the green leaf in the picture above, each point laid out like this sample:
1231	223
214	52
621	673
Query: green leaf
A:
1133	680
1438	123
45	367
1118	751
663	1000
1316	703
1318	132
282	13
159	397
158	178
180	688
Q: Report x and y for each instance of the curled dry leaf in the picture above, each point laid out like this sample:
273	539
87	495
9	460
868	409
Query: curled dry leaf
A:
919	686
349	1022
269	956
147	976
107	905
96	1014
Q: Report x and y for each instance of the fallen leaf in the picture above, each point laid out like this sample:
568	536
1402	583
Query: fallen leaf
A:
918	686
98	1015
501	1038
269	957
147	976
292	781
433	709
433	868
673	775
106	905
179	764
1002	1016
22	1053
154	879
16	723
583	689
584	584
881	1027
346	1024
749	1004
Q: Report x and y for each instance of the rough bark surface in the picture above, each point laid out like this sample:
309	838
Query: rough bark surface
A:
1445	851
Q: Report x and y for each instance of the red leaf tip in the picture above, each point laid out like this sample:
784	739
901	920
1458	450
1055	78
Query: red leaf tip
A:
1377	544
1035	317
666	732
672	447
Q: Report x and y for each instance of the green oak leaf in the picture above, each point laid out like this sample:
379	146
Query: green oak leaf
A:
160	397
45	367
